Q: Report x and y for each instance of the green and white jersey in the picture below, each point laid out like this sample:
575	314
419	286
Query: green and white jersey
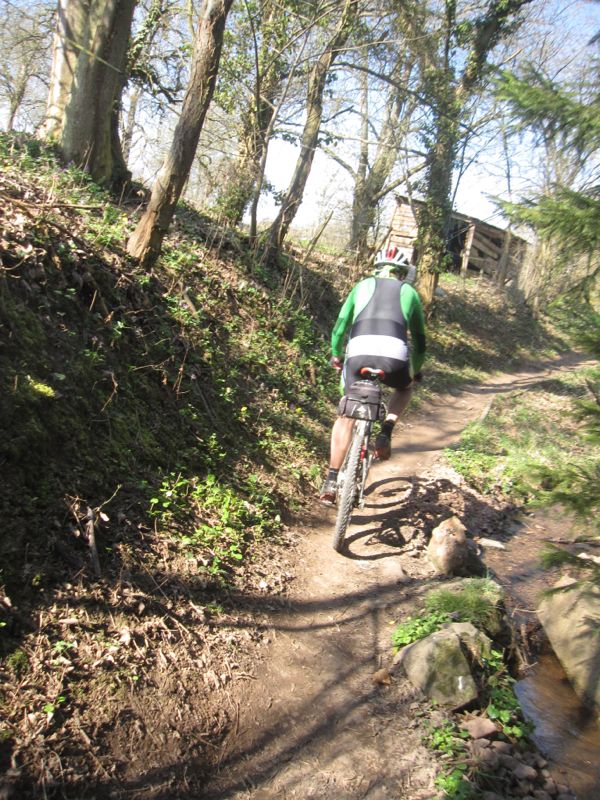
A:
377	315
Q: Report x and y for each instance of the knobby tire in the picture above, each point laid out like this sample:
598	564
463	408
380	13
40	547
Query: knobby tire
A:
349	487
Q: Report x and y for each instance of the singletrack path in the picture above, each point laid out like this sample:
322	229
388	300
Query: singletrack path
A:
313	723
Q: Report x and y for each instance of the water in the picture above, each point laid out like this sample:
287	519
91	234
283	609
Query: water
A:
565	731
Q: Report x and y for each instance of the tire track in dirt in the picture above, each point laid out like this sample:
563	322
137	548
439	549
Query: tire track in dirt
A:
313	724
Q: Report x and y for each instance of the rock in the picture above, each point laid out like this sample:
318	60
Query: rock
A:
502	747
381	677
491	796
570	618
447	549
522	789
478	727
488	758
510	762
491	543
525	772
550	787
437	665
540	794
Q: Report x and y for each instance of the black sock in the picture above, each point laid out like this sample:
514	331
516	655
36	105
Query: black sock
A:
332	474
387	428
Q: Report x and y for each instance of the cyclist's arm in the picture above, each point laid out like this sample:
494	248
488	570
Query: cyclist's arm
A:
413	314
341	326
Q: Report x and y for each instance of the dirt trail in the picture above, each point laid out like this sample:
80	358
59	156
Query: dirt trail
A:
313	724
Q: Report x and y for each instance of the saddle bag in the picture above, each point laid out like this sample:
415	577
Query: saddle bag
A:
363	401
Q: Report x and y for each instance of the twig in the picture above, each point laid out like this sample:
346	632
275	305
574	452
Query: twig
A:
112	394
22	203
90	531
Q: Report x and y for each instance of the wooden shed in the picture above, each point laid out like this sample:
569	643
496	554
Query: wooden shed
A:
473	243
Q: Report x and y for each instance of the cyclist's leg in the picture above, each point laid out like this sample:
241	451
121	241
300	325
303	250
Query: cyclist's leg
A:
340	441
401	382
341	436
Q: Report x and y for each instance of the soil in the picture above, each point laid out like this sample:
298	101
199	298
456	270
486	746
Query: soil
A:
318	719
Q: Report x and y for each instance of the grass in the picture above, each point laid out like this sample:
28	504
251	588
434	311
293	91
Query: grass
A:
525	432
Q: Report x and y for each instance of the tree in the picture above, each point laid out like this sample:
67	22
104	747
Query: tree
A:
453	56
86	81
372	177
562	125
314	113
146	241
261	71
25	41
557	115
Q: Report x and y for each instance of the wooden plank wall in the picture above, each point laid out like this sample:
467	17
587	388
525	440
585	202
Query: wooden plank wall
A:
486	246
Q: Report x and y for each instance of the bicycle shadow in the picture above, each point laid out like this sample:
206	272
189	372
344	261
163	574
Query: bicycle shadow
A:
401	512
383	528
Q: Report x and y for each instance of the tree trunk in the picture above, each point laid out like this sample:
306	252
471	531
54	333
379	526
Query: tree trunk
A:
435	214
146	241
310	135
86	83
127	140
370	186
239	190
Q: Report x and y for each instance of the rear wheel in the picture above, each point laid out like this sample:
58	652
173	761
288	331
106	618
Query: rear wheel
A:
349	488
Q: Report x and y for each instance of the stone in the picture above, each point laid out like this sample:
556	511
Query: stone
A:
502	747
550	787
525	772
488	758
437	664
480	727
508	761
449	551
540	794
570	618
491	796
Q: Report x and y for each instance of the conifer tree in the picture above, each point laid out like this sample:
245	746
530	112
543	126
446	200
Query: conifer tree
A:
566	214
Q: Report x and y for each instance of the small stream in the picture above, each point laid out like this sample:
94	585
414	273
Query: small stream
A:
566	733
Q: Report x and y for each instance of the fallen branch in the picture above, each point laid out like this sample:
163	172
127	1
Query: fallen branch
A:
24	204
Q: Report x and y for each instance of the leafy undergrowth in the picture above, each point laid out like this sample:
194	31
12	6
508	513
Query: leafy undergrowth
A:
159	432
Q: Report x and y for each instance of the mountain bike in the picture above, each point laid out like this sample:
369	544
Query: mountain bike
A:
364	404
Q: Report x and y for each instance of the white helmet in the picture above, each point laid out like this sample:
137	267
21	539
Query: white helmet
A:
393	262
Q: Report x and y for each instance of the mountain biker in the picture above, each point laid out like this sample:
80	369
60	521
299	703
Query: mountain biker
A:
378	313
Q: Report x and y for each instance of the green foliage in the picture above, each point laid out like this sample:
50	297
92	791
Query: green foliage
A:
418	627
459	779
215	519
474	602
503	706
450	741
205	369
18	663
561	118
569	216
555	112
578	321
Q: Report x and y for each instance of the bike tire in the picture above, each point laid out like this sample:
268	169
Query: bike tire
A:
349	487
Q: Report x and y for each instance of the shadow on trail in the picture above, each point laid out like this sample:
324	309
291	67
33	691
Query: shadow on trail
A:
330	711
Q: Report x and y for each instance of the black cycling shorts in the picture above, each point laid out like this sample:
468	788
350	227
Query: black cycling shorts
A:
397	373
